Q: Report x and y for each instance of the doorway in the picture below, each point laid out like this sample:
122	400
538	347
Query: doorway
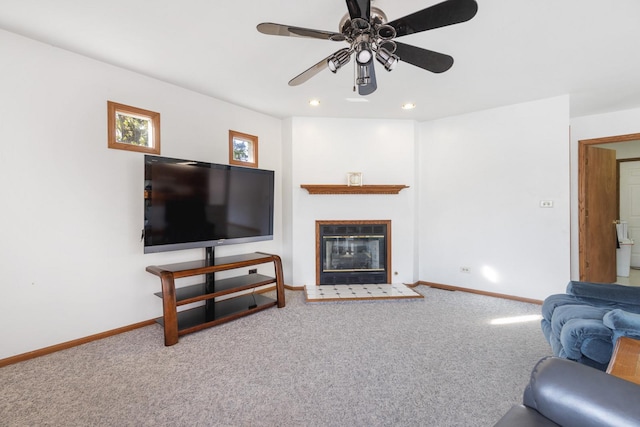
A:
629	173
596	232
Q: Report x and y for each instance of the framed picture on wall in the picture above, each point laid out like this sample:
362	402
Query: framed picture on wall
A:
354	179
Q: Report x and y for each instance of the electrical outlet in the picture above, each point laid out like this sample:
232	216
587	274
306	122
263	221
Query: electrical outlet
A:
465	270
546	203
253	271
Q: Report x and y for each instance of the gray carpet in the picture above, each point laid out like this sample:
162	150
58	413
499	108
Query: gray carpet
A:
425	362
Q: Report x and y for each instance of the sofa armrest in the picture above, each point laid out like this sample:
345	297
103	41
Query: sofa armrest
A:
572	394
622	323
628	295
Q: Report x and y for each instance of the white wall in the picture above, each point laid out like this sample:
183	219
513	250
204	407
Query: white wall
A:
624	150
323	152
288	215
70	253
483	176
590	127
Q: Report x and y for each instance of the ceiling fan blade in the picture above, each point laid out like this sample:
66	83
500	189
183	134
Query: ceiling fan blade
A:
359	9
368	89
288	30
310	72
427	59
448	12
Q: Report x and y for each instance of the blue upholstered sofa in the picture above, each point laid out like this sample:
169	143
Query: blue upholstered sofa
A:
584	323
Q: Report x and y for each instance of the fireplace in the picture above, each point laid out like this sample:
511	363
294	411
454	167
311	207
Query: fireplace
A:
353	252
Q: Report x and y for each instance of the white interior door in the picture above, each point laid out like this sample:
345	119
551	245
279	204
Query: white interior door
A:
630	205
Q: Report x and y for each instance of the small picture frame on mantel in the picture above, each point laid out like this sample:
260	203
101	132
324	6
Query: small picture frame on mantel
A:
354	179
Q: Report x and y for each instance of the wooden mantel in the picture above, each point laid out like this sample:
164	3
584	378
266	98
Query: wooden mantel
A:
353	189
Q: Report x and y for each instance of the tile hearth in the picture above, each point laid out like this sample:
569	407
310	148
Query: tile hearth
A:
359	292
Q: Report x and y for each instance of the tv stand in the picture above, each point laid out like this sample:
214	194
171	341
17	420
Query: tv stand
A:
215	310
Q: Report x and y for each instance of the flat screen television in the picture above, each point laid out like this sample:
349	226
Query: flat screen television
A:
190	204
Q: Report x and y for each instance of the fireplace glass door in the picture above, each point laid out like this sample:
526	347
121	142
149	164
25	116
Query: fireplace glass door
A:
353	253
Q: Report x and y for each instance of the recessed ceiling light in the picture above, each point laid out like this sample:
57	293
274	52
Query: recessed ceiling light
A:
408	106
314	102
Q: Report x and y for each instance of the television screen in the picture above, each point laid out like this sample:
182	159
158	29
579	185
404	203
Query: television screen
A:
189	204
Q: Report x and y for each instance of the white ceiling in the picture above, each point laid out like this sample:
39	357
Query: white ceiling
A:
512	51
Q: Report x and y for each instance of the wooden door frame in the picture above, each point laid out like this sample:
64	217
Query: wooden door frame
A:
582	190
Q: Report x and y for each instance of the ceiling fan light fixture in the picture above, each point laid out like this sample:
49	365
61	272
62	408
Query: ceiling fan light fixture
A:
363	53
363	78
386	58
338	59
386	32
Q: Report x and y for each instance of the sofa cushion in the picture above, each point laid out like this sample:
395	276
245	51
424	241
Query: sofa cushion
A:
554	301
565	313
589	337
607	295
623	324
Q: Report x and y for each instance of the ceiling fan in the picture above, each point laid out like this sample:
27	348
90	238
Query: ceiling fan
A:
369	35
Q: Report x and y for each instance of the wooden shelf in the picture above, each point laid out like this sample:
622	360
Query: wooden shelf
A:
346	189
215	310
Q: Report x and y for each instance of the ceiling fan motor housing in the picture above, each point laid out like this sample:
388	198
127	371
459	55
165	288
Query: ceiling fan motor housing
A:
378	17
